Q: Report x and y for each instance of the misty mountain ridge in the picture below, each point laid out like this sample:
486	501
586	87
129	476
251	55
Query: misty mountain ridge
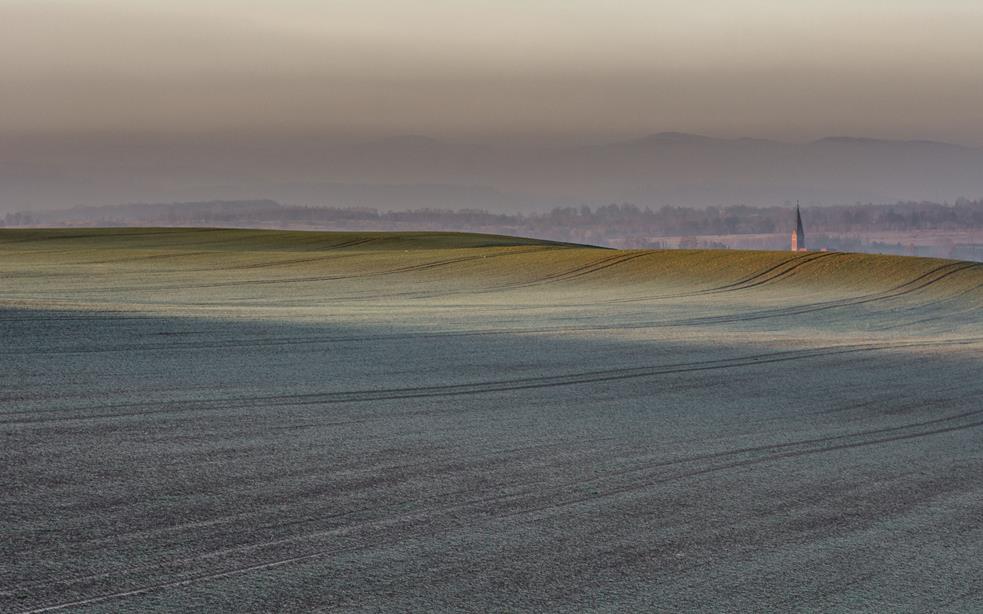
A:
686	137
414	171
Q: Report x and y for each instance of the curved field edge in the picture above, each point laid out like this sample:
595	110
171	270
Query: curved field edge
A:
235	239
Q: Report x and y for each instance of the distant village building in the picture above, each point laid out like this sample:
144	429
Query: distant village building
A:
798	234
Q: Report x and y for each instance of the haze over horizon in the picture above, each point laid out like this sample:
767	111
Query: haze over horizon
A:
109	101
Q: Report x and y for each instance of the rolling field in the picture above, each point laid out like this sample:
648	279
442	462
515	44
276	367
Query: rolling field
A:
240	420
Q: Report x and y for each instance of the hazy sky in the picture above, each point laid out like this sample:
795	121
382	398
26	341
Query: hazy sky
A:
494	69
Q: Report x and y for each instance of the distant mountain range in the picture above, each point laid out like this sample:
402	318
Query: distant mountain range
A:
669	168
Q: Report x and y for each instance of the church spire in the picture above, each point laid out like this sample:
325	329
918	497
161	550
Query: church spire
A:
799	234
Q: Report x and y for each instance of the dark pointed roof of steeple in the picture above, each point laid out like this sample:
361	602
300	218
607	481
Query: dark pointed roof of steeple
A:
798	222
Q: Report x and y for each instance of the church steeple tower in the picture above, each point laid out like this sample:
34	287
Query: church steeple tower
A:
799	234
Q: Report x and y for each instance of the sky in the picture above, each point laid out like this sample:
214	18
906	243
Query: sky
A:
111	101
493	70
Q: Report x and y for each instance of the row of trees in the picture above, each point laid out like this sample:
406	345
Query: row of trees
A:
568	223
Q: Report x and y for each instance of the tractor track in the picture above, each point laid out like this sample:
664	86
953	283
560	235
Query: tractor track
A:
424	266
523	503
912	286
469	389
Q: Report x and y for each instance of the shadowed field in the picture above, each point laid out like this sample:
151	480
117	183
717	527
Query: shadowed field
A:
202	419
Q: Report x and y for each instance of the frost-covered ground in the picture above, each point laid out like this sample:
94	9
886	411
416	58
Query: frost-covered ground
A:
253	421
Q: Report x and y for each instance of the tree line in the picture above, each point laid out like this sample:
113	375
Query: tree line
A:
620	221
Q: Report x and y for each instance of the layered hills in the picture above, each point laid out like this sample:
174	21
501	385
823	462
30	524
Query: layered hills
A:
670	168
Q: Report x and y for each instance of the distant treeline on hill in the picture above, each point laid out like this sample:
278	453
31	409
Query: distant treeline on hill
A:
614	224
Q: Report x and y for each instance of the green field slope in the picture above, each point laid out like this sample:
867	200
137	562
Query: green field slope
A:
256	272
